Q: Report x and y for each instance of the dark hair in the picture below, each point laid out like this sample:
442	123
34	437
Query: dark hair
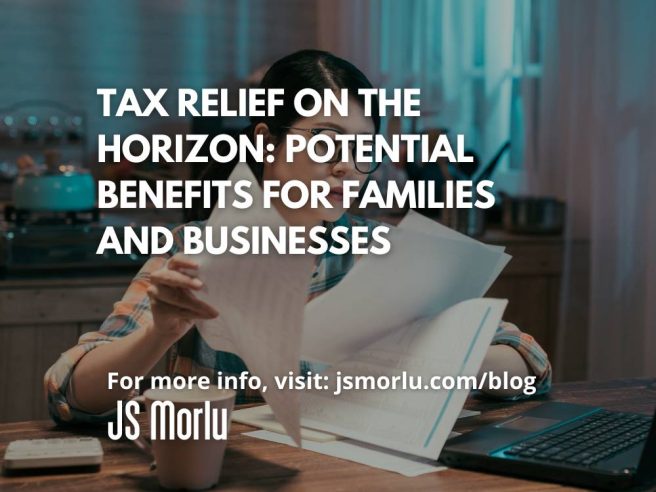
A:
305	69
310	69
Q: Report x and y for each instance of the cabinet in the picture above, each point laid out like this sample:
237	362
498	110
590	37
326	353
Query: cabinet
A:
531	283
40	320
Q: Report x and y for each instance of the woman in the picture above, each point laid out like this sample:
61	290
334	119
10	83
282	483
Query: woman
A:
158	310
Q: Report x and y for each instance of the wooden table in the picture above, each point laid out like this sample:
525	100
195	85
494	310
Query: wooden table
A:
252	464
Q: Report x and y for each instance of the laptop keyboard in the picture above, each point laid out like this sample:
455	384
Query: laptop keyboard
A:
597	437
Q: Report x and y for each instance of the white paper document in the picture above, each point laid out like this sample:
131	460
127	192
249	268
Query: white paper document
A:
262	416
358	452
417	222
417	422
260	299
423	274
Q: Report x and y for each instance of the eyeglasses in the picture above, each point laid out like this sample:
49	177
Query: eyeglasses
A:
322	148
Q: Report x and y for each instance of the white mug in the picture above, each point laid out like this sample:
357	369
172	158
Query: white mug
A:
188	457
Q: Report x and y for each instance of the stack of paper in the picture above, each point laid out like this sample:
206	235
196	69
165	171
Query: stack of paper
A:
348	449
417	422
415	310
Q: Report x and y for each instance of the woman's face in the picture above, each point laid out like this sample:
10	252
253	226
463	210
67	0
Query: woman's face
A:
304	169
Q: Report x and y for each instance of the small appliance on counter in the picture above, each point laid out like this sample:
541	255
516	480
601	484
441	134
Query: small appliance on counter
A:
62	187
54	227
470	221
36	244
533	215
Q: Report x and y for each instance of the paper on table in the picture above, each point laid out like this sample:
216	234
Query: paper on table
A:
411	421
422	275
260	299
385	459
417	222
261	416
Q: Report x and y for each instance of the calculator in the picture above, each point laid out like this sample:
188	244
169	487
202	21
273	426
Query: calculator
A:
53	453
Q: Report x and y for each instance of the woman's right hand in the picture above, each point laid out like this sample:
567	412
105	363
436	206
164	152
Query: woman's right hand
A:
173	302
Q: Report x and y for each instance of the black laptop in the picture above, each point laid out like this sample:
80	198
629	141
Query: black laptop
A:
563	442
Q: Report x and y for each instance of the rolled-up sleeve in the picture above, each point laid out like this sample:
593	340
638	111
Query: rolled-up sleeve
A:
530	350
130	313
58	378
